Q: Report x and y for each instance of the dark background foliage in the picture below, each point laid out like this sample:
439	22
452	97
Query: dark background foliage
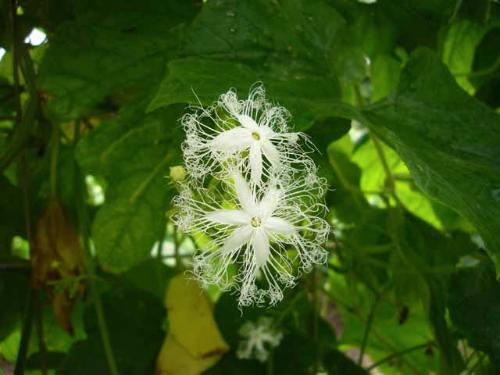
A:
401	99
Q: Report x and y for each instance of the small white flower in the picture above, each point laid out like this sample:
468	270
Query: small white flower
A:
258	339
256	228
252	132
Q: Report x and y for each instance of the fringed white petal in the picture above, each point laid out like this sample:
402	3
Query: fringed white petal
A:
237	239
247	122
271	152
244	194
255	159
270	201
278	225
228	217
232	141
260	244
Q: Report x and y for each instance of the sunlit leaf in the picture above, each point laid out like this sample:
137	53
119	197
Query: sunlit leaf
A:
449	142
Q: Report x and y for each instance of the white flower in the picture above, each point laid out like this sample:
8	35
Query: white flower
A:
251	198
252	132
258	339
255	228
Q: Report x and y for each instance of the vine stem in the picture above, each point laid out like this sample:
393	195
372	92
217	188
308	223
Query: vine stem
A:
25	335
346	184
21	61
398	354
42	348
270	364
385	166
315	319
54	151
384	342
369	323
90	266
380	152
177	256
20	128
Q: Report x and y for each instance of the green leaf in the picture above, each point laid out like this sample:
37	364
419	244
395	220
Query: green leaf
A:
134	320
434	259
374	179
13	297
410	15
336	363
110	48
458	49
132	218
384	74
449	142
151	276
475	308
388	334
229	319
291	62
229	365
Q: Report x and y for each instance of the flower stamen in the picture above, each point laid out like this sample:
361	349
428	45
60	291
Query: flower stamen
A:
255	221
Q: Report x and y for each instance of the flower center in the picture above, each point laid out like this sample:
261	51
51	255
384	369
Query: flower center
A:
255	221
256	136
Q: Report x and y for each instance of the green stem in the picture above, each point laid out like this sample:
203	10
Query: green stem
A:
398	354
381	338
315	320
298	295
24	121
23	126
368	326
25	334
90	266
42	348
178	258
470	357
270	364
391	184
355	192
54	151
482	72
103	329
479	362
15	60
390	181
458	5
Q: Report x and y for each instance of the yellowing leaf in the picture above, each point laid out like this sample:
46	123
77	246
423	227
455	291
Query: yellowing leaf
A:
174	359
194	342
57	258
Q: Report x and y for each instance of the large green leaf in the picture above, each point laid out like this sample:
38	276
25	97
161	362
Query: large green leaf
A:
110	48
132	218
374	179
235	44
474	305
449	141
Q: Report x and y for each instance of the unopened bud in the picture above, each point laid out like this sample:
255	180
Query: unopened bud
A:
177	173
